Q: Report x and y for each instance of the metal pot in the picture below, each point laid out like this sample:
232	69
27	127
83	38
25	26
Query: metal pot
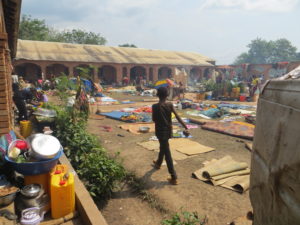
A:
144	129
44	147
31	190
7	199
29	199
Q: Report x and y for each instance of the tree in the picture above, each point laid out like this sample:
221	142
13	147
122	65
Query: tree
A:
128	45
35	29
264	52
78	36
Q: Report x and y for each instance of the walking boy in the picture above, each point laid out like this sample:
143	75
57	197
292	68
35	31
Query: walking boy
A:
161	115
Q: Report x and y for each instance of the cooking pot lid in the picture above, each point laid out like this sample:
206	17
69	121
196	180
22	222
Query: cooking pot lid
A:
31	190
45	145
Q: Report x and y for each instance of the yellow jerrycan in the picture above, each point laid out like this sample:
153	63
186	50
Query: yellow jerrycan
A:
62	192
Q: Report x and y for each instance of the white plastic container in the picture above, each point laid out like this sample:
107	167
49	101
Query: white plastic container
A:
31	216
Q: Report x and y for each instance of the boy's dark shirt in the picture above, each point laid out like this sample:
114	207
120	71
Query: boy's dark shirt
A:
162	116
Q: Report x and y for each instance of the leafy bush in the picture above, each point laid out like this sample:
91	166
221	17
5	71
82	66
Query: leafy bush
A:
185	218
63	87
98	172
101	172
91	162
210	85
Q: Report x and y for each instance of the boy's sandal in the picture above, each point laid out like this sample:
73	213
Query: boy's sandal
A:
155	165
173	181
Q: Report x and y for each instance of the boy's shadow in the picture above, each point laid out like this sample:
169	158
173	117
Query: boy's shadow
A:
149	183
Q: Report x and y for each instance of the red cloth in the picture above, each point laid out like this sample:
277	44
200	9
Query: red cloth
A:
230	128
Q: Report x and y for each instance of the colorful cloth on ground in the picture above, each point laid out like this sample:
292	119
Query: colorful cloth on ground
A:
212	113
128	117
146	109
231	128
135	128
234	106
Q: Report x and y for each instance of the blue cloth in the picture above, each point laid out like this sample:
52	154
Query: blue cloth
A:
99	94
212	113
117	115
233	106
86	83
127	102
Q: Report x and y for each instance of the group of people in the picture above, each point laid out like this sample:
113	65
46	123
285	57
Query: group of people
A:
26	94
254	85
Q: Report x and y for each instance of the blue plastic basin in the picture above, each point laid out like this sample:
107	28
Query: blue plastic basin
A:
34	168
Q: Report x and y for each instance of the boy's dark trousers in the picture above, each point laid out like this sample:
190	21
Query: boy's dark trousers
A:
164	150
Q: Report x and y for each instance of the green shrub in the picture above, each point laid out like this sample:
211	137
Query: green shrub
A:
94	167
91	162
101	172
185	218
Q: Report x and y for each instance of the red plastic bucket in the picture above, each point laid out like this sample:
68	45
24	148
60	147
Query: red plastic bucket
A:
242	98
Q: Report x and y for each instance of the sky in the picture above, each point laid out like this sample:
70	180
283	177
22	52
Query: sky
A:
220	29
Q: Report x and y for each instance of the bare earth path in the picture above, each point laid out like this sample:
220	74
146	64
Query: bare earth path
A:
221	205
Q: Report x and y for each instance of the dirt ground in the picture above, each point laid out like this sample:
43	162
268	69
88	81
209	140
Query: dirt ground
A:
219	204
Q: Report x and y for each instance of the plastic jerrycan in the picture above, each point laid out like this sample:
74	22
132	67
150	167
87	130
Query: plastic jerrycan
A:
25	128
62	192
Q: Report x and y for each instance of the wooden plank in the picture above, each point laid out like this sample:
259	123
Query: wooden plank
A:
4	124
4	118
3	113
3	88
3	100
3	94
2	74
4	130
3	107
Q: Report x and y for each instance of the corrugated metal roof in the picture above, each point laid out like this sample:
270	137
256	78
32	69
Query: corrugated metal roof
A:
294	74
65	52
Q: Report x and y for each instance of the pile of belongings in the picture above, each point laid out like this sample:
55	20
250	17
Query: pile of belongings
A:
233	106
145	109
106	100
138	128
44	115
250	119
225	172
186	103
130	117
127	89
221	110
37	147
149	93
210	113
136	117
